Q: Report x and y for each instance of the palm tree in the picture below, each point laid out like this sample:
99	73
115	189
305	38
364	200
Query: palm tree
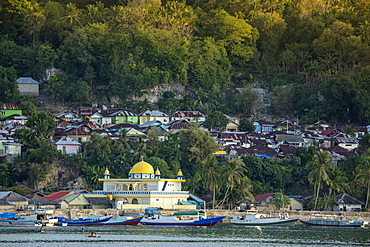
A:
337	183
321	166
234	171
140	149
245	188
95	12
363	176
35	18
73	15
212	177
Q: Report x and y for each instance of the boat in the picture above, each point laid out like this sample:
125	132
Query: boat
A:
123	221
17	219
258	219
62	221
181	219
333	220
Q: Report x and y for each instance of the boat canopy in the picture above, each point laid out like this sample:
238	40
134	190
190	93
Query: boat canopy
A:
189	213
9	215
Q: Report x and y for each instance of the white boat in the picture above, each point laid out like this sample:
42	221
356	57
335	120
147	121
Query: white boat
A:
16	219
262	219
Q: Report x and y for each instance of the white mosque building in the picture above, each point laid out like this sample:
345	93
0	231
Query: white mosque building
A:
145	188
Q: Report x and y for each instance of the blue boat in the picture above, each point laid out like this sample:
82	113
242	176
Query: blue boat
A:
332	220
178	219
62	221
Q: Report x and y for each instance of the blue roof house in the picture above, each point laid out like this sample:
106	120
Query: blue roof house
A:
28	86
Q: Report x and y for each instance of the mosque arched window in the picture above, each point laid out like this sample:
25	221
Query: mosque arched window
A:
145	187
131	187
135	201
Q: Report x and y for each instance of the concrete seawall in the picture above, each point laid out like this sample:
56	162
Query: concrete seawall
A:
78	213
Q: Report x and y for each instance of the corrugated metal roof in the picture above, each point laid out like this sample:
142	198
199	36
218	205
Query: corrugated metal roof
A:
153	113
195	198
123	113
27	80
9	106
65	140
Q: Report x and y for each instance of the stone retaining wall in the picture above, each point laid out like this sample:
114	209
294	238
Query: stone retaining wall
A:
77	213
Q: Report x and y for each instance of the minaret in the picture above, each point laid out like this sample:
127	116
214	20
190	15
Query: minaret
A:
179	175
106	173
157	174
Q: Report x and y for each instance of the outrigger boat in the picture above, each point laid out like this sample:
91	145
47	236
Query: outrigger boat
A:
62	221
178	219
16	219
123	221
262	219
332	220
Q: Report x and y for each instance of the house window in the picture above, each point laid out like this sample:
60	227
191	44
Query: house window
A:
266	128
3	113
157	200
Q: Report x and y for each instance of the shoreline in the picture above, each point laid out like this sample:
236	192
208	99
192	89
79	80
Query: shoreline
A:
78	213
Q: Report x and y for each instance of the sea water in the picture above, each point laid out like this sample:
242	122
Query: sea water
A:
220	235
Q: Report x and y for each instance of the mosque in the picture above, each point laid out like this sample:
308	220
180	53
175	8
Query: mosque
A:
145	188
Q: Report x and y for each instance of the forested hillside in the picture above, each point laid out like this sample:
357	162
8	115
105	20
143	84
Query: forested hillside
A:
312	56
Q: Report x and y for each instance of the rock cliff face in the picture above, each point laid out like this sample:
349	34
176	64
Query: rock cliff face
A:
154	94
59	176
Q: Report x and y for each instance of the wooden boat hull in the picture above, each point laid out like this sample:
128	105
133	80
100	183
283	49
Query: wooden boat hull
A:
332	223
133	222
84	222
289	222
201	222
17	223
262	220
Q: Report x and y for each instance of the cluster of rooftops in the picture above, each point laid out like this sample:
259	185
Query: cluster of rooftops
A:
268	140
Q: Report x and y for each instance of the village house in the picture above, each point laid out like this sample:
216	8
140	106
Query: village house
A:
8	109
67	145
11	199
101	118
13	118
347	203
263	126
123	116
290	139
345	141
84	201
190	116
69	116
233	124
153	115
28	86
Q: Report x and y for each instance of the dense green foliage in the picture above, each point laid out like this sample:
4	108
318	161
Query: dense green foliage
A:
308	55
311	56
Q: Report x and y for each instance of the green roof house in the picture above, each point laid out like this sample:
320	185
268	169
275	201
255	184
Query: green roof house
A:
8	109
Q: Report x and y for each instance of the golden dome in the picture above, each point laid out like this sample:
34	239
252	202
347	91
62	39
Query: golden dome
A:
157	172
106	171
142	167
179	173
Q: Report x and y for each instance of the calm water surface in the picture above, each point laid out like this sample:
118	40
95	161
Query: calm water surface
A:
219	235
